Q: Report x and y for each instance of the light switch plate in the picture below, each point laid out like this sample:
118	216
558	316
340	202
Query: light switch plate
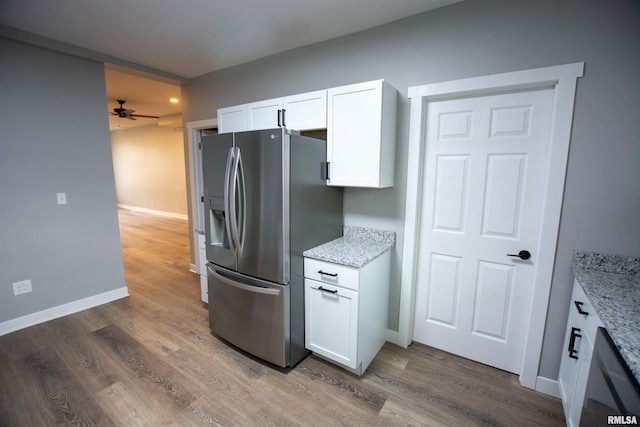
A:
62	198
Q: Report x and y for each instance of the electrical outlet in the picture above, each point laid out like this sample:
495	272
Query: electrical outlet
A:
22	287
62	198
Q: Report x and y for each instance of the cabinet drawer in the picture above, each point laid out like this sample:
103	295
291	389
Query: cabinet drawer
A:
330	273
580	305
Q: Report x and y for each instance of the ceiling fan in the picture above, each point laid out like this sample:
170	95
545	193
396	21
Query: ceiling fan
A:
127	113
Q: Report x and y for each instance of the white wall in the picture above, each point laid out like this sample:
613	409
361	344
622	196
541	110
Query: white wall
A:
475	38
54	137
149	168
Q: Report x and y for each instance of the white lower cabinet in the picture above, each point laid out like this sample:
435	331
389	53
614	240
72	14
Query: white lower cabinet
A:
346	311
332	323
582	326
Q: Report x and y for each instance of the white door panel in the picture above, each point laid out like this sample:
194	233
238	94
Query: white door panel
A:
482	199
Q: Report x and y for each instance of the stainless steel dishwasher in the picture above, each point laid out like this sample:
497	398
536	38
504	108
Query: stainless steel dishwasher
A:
613	393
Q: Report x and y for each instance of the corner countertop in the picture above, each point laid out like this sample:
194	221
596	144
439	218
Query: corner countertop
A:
612	284
356	248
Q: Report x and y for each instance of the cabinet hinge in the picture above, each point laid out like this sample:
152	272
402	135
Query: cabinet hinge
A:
199	145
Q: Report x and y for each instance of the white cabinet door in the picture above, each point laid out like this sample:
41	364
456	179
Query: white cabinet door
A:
306	111
264	114
584	363
582	327
361	128
232	119
331	322
570	366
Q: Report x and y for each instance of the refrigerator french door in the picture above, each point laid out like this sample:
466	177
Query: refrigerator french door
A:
266	203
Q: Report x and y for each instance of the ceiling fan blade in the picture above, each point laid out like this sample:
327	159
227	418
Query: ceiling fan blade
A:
146	117
127	113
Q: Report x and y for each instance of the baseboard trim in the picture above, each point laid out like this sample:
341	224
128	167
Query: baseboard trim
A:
394	338
62	310
154	212
548	386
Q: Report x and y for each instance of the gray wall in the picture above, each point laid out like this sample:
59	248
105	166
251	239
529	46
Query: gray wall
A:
601	209
54	137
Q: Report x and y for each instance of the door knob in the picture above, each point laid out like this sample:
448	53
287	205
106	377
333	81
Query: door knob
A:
522	255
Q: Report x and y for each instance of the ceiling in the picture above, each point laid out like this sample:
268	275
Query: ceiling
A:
179	40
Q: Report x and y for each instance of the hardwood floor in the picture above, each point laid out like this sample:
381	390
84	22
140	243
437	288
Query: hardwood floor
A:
150	359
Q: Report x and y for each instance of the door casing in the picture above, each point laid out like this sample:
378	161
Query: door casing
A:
194	172
563	80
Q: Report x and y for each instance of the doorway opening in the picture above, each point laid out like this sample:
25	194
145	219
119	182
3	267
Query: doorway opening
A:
147	143
148	153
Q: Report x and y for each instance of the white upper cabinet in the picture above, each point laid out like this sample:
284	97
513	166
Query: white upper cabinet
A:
361	128
361	131
264	114
305	111
232	119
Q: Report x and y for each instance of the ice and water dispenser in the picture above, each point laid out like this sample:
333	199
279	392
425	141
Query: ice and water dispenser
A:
217	229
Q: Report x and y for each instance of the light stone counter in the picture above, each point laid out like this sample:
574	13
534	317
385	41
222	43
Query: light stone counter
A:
356	248
612	284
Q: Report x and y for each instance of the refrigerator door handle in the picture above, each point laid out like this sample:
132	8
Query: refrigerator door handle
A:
242	217
256	289
227	199
237	209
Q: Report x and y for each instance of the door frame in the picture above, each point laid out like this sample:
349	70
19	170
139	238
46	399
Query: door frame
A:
194	170
563	80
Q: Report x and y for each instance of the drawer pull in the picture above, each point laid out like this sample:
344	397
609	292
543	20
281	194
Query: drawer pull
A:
331	291
572	343
324	273
579	307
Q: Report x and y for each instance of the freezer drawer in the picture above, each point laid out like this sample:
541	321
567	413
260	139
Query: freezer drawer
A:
251	314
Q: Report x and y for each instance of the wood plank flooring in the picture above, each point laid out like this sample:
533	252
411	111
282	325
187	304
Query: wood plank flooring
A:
150	359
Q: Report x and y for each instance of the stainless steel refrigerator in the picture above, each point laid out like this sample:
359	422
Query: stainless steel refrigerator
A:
266	202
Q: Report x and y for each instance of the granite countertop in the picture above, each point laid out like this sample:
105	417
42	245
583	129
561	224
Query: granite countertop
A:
356	248
612	284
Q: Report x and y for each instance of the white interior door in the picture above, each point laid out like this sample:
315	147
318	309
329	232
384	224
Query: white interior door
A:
482	199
